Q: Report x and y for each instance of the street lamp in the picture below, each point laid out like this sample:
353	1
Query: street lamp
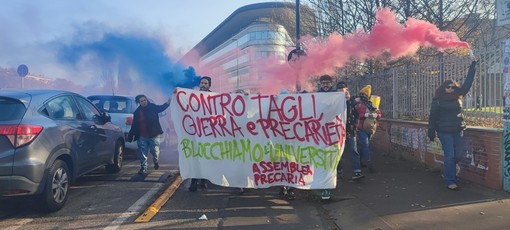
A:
298	44
296	56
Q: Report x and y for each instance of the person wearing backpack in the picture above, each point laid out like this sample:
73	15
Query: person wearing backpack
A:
367	116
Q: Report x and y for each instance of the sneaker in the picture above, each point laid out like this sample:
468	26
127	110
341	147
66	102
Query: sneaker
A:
283	191
357	176
453	187
326	194
142	172
290	195
193	185
156	166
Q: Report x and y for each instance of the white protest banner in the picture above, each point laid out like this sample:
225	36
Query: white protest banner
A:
259	141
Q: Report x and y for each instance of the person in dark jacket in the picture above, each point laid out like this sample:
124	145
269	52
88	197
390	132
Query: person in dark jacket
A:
446	119
350	138
146	130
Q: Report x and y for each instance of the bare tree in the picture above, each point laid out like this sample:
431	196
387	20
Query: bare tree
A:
472	20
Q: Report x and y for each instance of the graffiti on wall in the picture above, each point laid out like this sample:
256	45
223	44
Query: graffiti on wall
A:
417	140
477	154
411	138
506	159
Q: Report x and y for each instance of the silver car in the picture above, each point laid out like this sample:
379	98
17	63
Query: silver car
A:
121	109
48	138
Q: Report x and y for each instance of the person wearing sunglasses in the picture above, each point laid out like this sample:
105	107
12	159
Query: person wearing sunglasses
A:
447	120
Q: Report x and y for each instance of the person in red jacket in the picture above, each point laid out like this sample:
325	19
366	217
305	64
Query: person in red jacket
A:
363	108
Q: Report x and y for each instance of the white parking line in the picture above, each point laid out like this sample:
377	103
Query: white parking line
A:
135	209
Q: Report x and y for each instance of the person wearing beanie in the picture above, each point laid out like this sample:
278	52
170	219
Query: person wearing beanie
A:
205	85
367	91
364	109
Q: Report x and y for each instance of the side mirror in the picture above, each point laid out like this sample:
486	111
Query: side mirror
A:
102	118
106	117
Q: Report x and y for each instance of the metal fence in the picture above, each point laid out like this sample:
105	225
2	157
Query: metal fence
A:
406	91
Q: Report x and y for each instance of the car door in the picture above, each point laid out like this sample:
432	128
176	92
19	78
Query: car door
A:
76	134
104	145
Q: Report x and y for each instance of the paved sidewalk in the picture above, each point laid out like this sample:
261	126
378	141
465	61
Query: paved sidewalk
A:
406	195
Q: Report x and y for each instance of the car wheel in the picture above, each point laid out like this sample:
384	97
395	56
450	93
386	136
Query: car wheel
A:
56	189
118	159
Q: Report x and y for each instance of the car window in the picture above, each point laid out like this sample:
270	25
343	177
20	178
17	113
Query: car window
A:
116	105
98	103
88	109
62	107
111	104
11	109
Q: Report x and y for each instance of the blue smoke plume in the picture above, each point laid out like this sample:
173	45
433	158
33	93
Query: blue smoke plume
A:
146	55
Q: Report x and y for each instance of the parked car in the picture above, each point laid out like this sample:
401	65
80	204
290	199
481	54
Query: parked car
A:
48	138
121	109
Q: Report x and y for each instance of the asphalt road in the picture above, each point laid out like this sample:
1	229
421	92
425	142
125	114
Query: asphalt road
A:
113	201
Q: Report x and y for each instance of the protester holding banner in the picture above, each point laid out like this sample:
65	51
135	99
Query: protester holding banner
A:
350	139
286	191
205	85
146	130
326	83
364	109
259	141
447	120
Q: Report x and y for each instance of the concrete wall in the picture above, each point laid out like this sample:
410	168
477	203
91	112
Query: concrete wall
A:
409	140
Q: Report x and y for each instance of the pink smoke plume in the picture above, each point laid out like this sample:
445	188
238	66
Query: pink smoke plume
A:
387	35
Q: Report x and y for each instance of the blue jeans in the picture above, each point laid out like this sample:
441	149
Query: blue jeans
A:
350	146
454	151
148	144
364	146
350	143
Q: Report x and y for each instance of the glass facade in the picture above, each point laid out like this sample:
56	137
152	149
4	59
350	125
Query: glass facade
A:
232	60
